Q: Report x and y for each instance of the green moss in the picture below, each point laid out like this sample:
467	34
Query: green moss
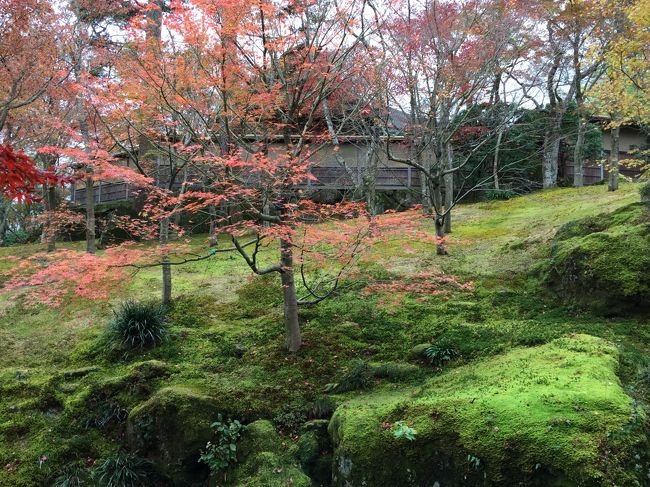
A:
532	415
267	469
606	268
260	435
417	352
171	428
266	459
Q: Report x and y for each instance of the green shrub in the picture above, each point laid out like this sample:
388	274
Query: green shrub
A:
137	325
123	470
219	455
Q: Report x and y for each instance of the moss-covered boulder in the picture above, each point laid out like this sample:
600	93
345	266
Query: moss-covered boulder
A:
603	261
549	415
170	429
265	460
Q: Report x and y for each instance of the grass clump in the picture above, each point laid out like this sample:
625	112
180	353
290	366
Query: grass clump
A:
137	325
73	476
123	470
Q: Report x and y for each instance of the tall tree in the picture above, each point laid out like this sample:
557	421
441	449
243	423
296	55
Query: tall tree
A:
624	93
440	58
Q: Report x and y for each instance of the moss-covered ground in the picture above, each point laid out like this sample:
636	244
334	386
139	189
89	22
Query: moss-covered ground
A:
65	400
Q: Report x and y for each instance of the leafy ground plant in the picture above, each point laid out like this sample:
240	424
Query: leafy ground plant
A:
439	355
403	430
219	455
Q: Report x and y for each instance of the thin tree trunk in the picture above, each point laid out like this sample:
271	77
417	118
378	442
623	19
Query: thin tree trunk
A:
214	234
495	163
551	151
294	340
425	193
369	179
4	211
578	154
91	245
613	159
49	230
449	186
166	268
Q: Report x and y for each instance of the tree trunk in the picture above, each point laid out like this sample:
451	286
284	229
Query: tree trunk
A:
291	322
440	233
551	151
91	246
578	154
4	211
613	159
369	178
449	187
214	234
49	230
495	163
166	268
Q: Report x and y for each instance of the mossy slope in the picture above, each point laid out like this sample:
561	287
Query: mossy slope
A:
603	261
533	416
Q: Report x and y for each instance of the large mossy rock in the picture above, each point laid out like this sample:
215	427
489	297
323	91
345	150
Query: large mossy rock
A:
604	261
170	429
265	460
549	415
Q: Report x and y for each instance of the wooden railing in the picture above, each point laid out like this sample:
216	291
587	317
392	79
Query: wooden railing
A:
326	177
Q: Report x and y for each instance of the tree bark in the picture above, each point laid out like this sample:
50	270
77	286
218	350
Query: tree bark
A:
440	233
495	163
369	178
4	210
214	234
578	154
294	340
449	186
166	267
551	150
91	245
613	159
50	232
